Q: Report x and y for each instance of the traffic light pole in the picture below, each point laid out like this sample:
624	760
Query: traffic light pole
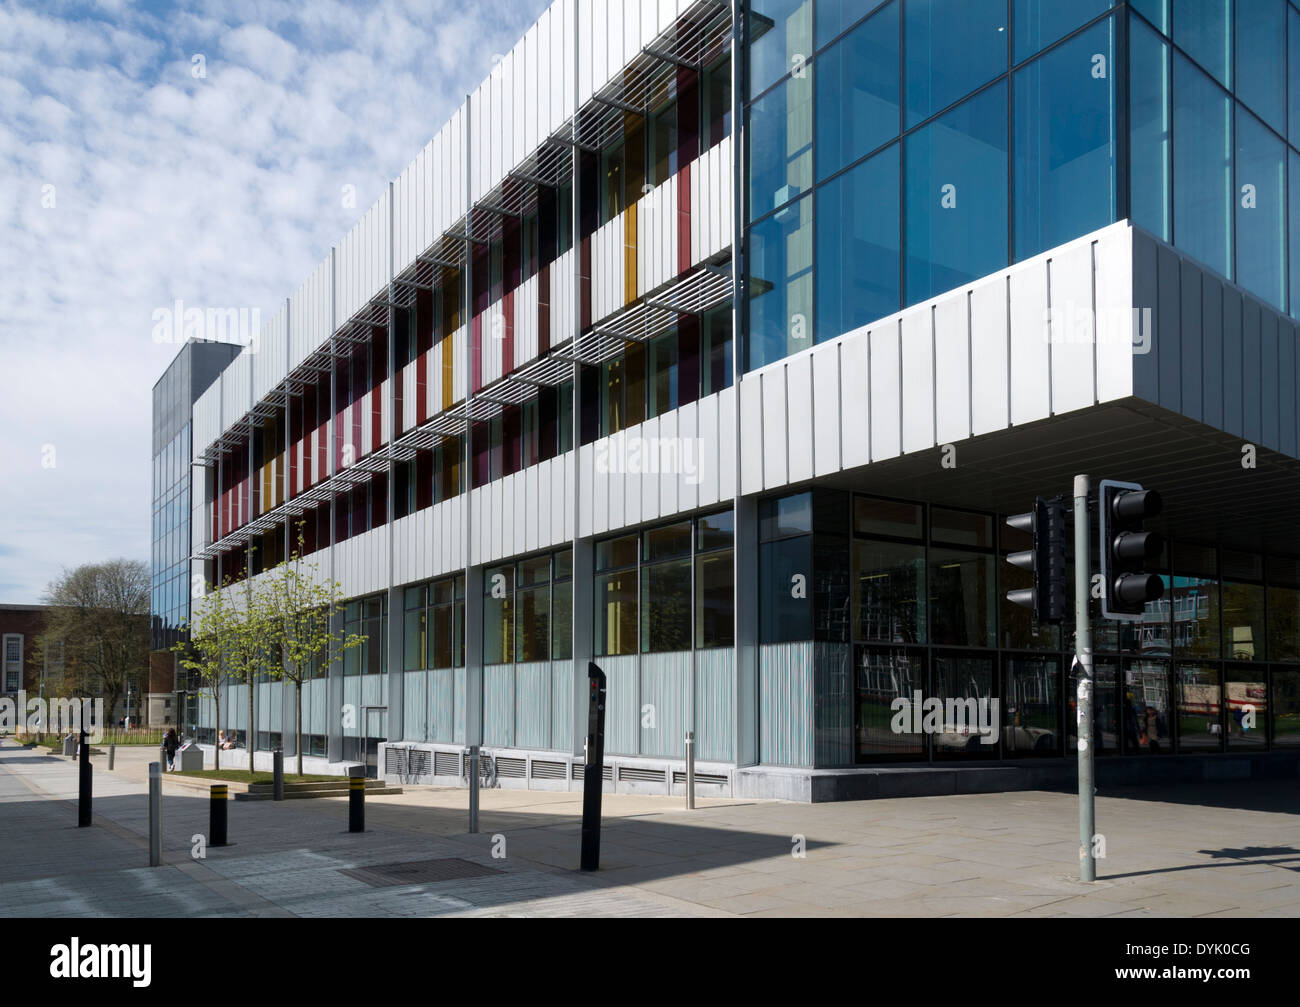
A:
1083	695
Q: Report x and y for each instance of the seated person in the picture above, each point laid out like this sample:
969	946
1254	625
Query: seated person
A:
225	742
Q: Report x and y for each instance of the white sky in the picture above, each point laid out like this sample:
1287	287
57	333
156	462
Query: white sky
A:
222	192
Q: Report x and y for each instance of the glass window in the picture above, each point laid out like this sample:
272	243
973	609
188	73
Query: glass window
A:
1293	216
962	606
498	615
889	591
779	289
965	686
717	104
959	527
414	642
953	46
780	35
715	599
1031	706
785	606
1246	696
1283	623
533	609
886	517
1202	167
780	130
858	247
715	374
1195	601
956	185
1201	30
1200	708
1039	23
662	393
1145	708
1065	142
663	144
1149	149
1155	11
857	92
1261	210
1284	701
666	604
715	531
784	516
1244	631
1260	33
883	676
616	596
1293	72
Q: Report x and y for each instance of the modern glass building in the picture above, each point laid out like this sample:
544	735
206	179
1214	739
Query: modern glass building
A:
714	342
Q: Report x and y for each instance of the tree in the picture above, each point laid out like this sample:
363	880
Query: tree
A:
97	628
213	628
301	608
249	648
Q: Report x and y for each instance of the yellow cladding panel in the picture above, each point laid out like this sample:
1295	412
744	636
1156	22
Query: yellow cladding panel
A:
629	254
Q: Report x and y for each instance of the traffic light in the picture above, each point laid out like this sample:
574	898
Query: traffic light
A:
1046	560
1127	548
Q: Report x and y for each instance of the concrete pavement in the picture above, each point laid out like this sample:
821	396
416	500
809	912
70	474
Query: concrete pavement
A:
1205	850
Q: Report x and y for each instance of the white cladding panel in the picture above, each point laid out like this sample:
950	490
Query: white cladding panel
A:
952	368
564	321
361	563
1072	331
310	313
207	418
711	201
235	388
363	261
270	354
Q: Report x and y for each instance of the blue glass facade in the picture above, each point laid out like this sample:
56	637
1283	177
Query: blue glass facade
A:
900	149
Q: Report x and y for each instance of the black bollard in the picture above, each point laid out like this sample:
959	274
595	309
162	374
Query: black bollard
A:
217	814
357	804
593	771
277	775
83	788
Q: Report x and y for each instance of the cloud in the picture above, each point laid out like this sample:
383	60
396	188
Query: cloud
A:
130	183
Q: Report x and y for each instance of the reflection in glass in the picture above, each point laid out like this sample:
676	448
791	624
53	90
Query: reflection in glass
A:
785	609
1039	23
1200	707
956	190
1261	210
1284	623
1031	706
1106	726
1243	621
1195	602
858	81
961	598
666	605
889	591
1065	142
498	615
1246	695
952	48
616	613
780	286
1145	708
1284	702
1202	167
715	599
858	260
1201	30
965	685
1260	65
780	129
883	676
780	32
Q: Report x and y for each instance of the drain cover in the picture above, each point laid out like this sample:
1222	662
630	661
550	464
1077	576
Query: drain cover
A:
418	872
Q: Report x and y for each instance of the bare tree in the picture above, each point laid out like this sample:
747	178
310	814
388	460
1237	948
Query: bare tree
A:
98	626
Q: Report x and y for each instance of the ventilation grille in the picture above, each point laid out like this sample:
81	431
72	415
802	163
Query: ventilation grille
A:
395	761
446	764
712	779
641	775
548	770
406	762
606	772
418	762
510	769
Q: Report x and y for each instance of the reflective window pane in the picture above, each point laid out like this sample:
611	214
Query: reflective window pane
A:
1065	142
857	84
1155	11
966	728
785	608
1149	140
1293	218
780	33
956	185
1196	616
780	286
1261	210
1202	168
1283	623
889	592
616	613
1246	695
882	677
783	516
858	257
715	599
666	605
1243	621
1039	23
961	598
1106	727
953	46
1261	59
1200	708
1146	709
897	518
1293	73
1284	702
1201	30
1031	706
780	138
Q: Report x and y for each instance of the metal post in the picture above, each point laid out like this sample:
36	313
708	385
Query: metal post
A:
357	804
277	774
112	752
1083	664
155	814
472	759
690	769
84	783
219	804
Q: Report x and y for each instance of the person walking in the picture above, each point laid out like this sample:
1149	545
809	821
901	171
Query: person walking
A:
170	744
